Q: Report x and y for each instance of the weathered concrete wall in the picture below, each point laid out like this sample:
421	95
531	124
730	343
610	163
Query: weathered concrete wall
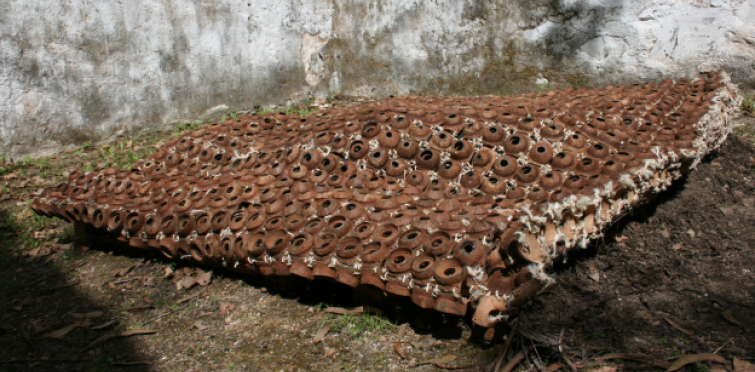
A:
83	69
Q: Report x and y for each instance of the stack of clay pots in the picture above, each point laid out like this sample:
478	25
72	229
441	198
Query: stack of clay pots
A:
445	200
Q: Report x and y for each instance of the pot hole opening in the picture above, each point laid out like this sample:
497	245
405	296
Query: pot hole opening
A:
449	271
541	149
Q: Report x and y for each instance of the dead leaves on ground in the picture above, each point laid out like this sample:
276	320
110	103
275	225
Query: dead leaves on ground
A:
121	271
225	308
84	320
89	315
200	325
184	279
694	358
743	366
58	333
730	317
353	310
682	330
440	362
321	333
135	332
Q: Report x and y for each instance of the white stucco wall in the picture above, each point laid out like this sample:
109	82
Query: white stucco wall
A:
81	69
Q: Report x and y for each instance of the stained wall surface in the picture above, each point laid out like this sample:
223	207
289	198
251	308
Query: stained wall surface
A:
82	69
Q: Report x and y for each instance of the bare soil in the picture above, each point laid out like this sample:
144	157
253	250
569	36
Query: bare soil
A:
685	258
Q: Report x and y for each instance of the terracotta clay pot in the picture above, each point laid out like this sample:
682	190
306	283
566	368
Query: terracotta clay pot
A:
450	271
424	265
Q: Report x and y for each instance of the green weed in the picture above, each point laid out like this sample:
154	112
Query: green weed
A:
353	325
748	105
544	87
702	367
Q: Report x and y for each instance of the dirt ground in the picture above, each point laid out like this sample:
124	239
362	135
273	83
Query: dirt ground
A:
677	277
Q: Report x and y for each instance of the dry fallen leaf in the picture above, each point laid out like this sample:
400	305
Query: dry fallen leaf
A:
58	333
402	330
694	358
329	352
682	330
620	239
605	369
226	308
136	363
141	307
730	317
137	332
320	335
147	281
100	339
111	286
594	276
554	367
438	362
32	253
20	306
743	366
200	326
66	285
168	273
122	271
353	310
204	279
105	325
399	347
188	282
677	246
89	315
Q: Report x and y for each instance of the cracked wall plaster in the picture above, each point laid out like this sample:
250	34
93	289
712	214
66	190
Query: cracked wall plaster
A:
82	70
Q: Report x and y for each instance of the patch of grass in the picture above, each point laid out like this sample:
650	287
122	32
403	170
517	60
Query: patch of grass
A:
180	128
544	87
264	112
748	105
292	109
301	110
354	325
702	367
